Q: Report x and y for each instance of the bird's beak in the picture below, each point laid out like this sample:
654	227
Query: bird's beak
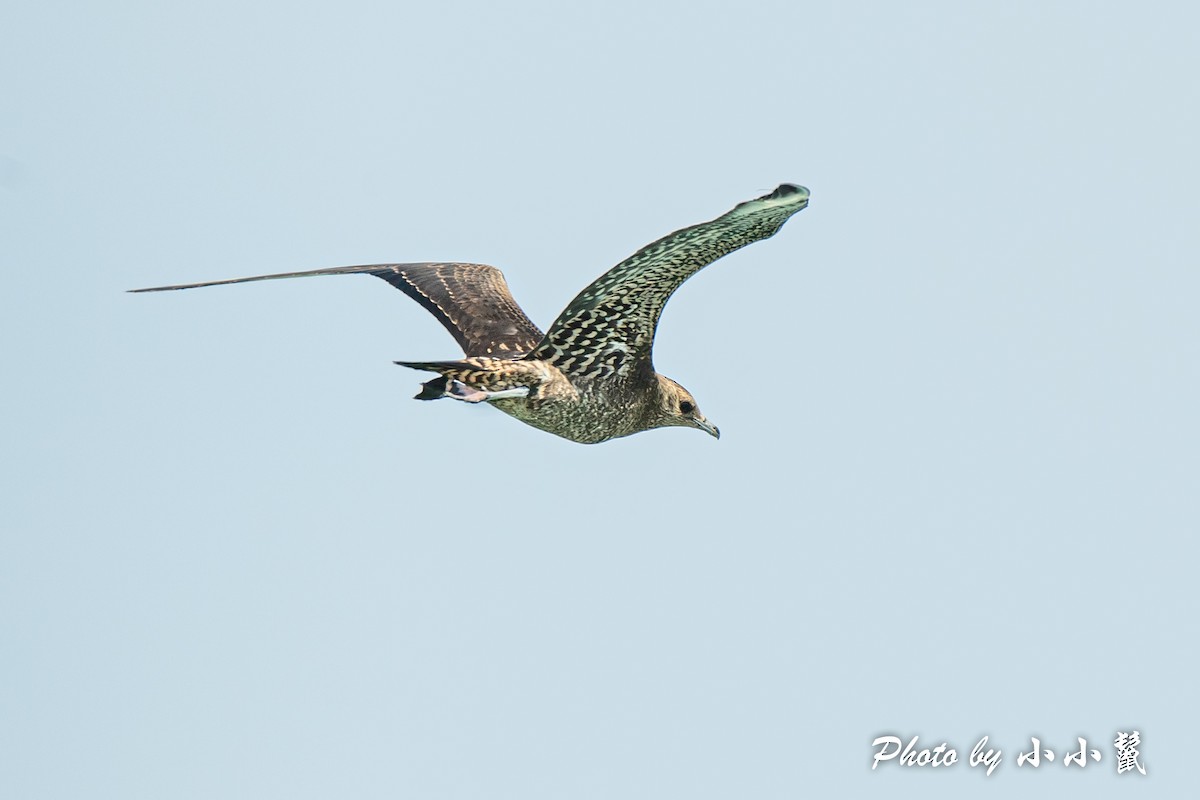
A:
707	427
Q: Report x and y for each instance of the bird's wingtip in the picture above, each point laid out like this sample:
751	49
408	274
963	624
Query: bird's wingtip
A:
786	195
789	190
157	289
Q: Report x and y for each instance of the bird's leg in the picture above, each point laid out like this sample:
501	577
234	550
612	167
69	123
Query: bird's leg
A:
521	392
460	391
457	390
476	380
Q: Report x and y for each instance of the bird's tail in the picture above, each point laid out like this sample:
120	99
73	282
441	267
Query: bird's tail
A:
442	367
437	388
475	379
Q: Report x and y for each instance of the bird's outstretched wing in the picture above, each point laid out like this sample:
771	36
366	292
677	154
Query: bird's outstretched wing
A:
609	328
471	300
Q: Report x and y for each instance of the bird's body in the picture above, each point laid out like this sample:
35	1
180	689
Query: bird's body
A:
590	377
585	410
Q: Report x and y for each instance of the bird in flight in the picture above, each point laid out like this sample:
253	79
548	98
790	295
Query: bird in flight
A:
589	378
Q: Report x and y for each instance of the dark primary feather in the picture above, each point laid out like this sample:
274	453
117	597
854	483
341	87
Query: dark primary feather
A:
471	300
609	328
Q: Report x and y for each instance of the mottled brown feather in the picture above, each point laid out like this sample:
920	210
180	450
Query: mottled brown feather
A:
472	301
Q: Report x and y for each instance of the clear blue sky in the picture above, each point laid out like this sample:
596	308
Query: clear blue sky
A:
956	490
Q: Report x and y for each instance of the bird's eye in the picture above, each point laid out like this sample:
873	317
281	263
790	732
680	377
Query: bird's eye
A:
685	407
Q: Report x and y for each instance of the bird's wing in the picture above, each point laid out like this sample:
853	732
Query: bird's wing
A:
609	328
471	300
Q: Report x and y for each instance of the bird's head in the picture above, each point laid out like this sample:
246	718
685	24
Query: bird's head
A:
676	406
